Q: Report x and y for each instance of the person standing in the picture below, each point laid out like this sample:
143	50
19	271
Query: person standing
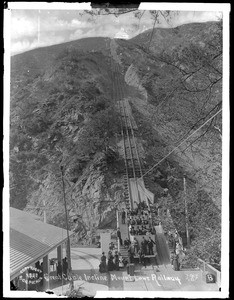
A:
111	246
174	261
123	216
178	248
142	259
103	262
116	261
143	231
151	243
176	236
136	245
129	255
59	270
128	212
144	245
121	264
110	261
65	266
140	255
152	230
119	236
126	243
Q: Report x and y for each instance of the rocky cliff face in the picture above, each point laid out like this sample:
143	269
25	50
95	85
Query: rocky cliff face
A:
96	195
91	201
131	78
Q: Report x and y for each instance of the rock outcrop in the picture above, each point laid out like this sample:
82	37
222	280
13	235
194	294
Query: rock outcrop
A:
131	78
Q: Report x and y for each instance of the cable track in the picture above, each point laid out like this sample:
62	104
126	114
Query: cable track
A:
133	168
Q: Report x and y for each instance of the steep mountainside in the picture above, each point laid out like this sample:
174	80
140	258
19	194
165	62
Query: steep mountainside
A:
64	116
180	113
62	113
184	89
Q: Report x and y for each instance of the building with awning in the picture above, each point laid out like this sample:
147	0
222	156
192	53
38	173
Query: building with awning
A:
32	240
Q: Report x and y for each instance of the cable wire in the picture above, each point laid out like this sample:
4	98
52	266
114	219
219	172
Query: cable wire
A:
181	143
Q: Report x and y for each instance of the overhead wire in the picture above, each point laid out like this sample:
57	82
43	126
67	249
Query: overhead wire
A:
182	143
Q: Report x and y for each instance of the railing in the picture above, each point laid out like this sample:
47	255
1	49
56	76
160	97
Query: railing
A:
207	268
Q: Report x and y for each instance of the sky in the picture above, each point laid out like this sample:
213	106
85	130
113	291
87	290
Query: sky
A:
33	28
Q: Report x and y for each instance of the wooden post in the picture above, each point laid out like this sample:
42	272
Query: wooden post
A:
68	238
46	273
117	219
186	215
44	204
26	280
59	253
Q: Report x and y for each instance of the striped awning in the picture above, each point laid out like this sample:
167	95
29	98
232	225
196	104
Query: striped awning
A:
31	240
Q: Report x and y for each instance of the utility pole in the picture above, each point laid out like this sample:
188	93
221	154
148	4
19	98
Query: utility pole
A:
186	214
68	238
44	213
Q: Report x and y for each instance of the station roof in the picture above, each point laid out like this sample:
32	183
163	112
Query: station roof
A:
31	239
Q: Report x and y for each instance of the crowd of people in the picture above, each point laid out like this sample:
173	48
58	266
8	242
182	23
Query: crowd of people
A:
146	245
111	263
140	250
141	230
114	262
141	215
141	222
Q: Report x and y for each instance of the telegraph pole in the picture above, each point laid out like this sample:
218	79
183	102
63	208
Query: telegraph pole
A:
44	213
186	214
68	238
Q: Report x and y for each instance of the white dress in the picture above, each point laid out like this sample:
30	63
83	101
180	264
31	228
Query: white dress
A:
121	264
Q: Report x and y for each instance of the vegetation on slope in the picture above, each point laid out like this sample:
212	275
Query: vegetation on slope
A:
182	74
63	116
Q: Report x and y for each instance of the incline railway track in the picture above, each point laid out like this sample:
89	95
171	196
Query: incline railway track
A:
133	169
